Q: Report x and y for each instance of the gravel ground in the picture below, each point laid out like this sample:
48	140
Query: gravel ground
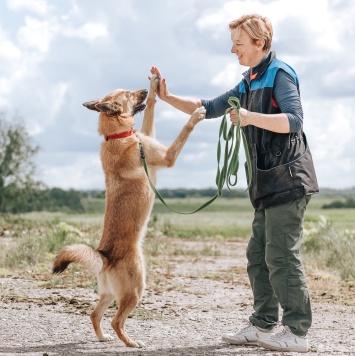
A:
185	316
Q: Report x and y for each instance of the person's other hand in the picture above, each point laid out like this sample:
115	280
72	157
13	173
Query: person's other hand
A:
234	117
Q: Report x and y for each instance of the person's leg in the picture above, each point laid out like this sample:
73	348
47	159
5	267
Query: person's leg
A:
265	314
284	229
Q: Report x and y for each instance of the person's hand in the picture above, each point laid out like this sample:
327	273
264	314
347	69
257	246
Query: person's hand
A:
162	92
243	115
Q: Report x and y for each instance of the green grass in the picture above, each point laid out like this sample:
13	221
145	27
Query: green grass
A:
225	217
93	205
341	219
233	217
329	233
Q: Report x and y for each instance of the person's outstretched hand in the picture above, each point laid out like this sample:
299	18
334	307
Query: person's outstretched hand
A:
162	92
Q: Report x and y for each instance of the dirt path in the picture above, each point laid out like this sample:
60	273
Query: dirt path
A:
191	299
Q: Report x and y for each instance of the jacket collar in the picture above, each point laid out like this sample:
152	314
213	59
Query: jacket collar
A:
261	67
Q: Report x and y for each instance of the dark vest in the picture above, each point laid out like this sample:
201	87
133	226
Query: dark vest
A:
282	163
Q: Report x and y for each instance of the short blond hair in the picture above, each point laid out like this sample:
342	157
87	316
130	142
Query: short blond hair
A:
256	26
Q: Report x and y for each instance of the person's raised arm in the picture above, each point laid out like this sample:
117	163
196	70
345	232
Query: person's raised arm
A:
184	104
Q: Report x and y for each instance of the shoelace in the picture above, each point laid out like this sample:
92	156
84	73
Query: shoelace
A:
284	332
247	328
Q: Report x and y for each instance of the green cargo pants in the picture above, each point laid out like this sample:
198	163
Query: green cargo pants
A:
275	268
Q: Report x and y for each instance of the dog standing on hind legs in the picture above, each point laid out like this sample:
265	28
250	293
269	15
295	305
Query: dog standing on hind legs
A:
118	262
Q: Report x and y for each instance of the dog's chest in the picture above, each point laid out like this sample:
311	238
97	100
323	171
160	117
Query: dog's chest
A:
122	162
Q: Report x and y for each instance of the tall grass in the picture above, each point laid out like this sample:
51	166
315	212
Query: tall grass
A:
35	246
327	248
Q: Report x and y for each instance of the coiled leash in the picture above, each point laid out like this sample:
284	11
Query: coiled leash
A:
230	167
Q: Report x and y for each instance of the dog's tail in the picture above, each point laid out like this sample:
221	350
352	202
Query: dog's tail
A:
78	253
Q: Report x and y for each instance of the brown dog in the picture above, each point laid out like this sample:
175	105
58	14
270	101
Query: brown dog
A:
118	261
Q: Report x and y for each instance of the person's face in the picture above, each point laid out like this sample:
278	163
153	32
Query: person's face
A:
249	54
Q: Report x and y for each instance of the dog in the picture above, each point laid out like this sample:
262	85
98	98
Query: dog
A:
118	262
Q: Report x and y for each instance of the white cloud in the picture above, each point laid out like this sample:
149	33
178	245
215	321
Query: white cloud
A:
9	51
330	133
40	7
82	171
323	28
89	31
228	78
193	157
54	57
36	34
210	21
55	96
334	126
171	115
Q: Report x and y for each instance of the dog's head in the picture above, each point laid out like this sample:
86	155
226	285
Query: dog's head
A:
118	108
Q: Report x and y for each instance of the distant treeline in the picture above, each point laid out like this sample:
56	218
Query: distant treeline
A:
210	192
76	201
176	193
340	204
54	199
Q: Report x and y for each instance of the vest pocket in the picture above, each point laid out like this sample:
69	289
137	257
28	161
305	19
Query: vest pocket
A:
273	184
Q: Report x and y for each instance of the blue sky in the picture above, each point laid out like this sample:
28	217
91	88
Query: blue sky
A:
55	55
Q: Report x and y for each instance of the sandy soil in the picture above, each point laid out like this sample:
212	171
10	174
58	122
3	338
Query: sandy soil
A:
191	300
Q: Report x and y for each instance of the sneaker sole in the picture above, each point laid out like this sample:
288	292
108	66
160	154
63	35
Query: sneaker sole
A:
284	349
234	342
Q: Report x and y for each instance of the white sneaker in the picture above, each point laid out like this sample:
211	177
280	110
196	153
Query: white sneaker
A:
247	336
285	341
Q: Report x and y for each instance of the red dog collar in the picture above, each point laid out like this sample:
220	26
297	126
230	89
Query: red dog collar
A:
119	135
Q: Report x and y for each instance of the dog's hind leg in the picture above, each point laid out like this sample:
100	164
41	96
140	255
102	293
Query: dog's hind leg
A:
148	118
126	304
96	316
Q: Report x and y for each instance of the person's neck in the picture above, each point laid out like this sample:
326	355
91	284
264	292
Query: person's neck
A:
259	60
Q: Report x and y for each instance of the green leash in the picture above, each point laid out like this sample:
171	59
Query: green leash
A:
232	138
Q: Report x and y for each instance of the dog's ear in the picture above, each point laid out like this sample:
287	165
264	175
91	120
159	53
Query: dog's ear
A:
92	105
106	107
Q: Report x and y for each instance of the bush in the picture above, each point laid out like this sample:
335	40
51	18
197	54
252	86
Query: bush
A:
32	249
16	163
54	199
338	204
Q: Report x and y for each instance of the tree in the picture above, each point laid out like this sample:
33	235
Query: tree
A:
16	164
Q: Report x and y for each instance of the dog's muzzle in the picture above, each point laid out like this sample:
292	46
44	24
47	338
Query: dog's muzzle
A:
140	106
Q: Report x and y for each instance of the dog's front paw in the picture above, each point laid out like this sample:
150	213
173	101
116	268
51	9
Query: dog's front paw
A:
154	82
198	115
